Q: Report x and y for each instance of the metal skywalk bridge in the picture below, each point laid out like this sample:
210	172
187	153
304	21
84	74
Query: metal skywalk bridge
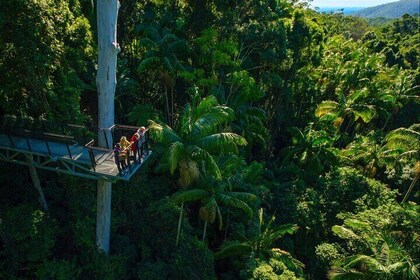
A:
65	148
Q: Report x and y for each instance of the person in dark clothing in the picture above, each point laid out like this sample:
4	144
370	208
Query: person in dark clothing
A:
119	157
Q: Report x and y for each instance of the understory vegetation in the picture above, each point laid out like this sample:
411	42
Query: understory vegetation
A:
285	142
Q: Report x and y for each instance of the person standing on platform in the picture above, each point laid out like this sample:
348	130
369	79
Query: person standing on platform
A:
119	158
125	145
134	146
141	131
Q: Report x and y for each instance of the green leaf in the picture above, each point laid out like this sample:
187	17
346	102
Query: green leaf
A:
365	112
237	203
189	195
244	196
176	152
148	63
344	233
281	231
162	133
232	248
356	224
222	142
198	154
327	108
167	65
148	43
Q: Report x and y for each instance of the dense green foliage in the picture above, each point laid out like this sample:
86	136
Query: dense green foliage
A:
286	142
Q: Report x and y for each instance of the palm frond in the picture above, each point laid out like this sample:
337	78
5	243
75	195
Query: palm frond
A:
225	142
365	112
327	107
205	105
152	33
236	203
163	133
186	120
338	273
148	43
405	138
256	112
359	95
344	233
198	154
169	37
189	195
297	134
232	248
368	262
281	231
244	196
230	164
176	151
286	258
167	65
357	224
288	153
179	46
148	63
208	122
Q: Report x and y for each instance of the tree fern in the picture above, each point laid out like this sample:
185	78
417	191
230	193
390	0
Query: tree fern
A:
189	195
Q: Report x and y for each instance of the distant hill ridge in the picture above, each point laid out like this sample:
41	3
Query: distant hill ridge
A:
390	10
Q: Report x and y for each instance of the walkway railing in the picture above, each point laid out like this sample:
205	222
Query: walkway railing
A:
116	131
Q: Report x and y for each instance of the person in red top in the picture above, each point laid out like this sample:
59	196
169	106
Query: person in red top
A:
134	143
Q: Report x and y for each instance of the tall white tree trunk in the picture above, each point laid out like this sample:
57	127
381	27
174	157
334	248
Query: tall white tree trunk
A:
107	13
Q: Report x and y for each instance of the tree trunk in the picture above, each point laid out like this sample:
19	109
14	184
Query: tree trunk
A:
204	231
172	107
107	13
413	183
227	226
179	223
37	183
168	114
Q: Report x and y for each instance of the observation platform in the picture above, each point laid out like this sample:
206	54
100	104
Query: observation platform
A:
67	148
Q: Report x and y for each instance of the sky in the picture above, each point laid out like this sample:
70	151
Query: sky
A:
349	3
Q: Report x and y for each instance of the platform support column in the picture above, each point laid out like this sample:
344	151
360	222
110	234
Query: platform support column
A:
36	182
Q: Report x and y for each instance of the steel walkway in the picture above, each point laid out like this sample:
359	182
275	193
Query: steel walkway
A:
72	151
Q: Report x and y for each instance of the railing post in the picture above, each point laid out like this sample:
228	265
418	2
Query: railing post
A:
92	159
106	138
45	140
29	145
146	141
113	137
11	141
48	146
68	150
